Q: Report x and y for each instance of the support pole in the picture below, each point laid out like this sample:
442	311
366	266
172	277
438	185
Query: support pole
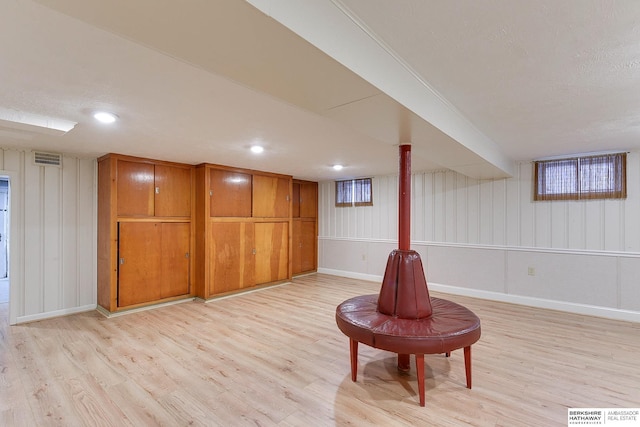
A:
404	208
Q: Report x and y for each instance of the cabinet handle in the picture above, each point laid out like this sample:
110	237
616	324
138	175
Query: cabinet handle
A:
210	192
157	190
121	261
186	255
288	198
253	251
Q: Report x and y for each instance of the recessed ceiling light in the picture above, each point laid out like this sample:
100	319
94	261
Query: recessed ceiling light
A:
105	117
337	167
257	149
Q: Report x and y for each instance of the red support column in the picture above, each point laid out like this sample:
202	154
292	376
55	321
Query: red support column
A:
404	208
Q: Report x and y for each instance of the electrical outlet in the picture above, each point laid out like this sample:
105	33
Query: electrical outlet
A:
531	271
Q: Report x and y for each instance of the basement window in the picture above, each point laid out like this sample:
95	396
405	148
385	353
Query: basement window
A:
590	177
354	192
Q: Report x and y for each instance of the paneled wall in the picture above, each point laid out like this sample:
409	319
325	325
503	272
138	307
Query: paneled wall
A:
490	239
52	236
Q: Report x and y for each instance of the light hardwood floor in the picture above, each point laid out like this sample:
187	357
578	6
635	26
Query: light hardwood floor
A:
276	357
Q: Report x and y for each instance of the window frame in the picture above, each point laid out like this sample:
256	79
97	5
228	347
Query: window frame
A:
580	170
352	193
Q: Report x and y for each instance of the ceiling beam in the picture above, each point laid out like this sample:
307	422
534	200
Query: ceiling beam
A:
330	26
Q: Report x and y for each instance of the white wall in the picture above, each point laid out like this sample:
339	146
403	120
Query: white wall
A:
482	237
52	236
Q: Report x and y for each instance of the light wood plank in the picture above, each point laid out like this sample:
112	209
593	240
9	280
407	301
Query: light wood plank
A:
276	357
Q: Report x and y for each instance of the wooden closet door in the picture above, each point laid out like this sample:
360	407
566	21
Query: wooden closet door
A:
135	188
296	247
304	246
172	191
139	264
230	263
308	246
309	200
270	197
272	255
175	259
230	194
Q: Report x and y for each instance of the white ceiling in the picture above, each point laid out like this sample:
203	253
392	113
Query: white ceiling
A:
473	85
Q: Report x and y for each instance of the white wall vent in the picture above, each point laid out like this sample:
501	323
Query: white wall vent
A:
41	158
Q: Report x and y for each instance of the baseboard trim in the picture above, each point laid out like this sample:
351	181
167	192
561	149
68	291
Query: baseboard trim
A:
351	274
56	313
243	292
569	307
108	314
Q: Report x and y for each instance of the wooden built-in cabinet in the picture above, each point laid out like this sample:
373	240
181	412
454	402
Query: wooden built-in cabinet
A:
168	231
243	229
305	227
145	231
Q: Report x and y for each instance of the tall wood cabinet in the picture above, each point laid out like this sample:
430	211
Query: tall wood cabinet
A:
145	231
305	227
168	231
243	229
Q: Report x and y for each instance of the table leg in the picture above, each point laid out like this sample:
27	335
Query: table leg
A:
467	364
353	351
404	363
420	375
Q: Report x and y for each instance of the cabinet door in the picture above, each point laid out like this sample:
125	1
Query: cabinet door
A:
270	197
295	201
296	247
308	200
230	193
231	261
139	266
135	183
271	251
172	191
304	246
175	259
308	246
